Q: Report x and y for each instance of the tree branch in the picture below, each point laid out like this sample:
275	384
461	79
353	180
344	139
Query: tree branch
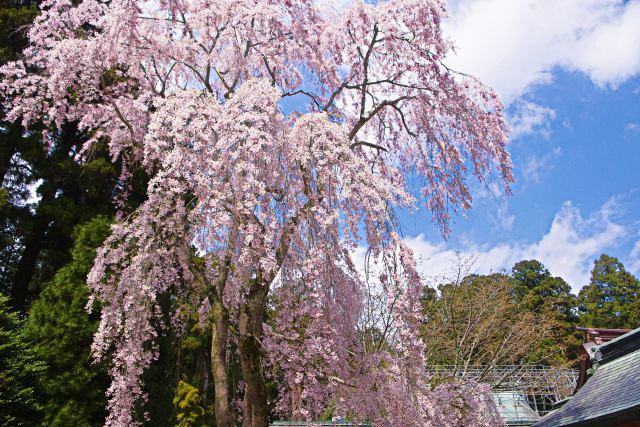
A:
364	120
368	144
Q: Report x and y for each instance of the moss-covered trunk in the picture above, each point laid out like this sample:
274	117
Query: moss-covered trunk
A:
251	350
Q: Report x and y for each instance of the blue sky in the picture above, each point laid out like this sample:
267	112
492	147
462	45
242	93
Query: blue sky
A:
569	73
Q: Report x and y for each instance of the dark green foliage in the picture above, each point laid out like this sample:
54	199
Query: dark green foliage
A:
19	372
612	298
160	379
36	237
70	194
9	253
527	275
534	287
15	16
539	292
72	388
183	358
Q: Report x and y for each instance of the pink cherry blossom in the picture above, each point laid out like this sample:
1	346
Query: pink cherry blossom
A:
275	203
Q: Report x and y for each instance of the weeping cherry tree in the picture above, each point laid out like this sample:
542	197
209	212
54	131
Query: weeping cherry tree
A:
249	200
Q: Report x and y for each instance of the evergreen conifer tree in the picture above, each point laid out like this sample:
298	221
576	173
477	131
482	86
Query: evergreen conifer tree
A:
612	298
19	371
539	292
60	330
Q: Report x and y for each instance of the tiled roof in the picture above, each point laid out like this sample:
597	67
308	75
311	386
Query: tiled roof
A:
613	389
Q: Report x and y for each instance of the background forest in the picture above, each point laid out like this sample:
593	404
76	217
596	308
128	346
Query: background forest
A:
48	244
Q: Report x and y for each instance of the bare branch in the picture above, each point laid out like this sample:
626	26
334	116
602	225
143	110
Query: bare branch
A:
367	144
364	120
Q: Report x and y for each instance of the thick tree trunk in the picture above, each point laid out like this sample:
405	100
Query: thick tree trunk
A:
53	177
251	350
26	268
219	336
6	153
32	247
10	141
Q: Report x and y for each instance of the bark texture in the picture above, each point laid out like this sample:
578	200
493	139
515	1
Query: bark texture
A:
251	350
219	337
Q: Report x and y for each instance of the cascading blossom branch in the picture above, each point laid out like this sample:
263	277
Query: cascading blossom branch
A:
274	203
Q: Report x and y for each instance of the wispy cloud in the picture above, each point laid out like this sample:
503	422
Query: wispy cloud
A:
535	164
568	249
505	219
631	129
334	4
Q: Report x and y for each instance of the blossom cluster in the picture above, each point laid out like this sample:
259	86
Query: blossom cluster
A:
192	90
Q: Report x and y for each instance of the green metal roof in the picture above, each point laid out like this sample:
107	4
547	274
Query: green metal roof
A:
514	408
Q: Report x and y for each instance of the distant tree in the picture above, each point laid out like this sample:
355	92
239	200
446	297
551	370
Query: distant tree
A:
612	298
527	276
533	286
19	370
60	331
537	291
473	320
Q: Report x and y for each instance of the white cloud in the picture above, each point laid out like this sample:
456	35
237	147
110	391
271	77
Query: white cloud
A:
531	118
611	52
567	249
634	258
513	45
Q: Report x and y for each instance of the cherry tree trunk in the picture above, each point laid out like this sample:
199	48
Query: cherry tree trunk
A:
255	395
219	335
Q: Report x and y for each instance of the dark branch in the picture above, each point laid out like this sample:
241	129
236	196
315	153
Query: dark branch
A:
368	144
